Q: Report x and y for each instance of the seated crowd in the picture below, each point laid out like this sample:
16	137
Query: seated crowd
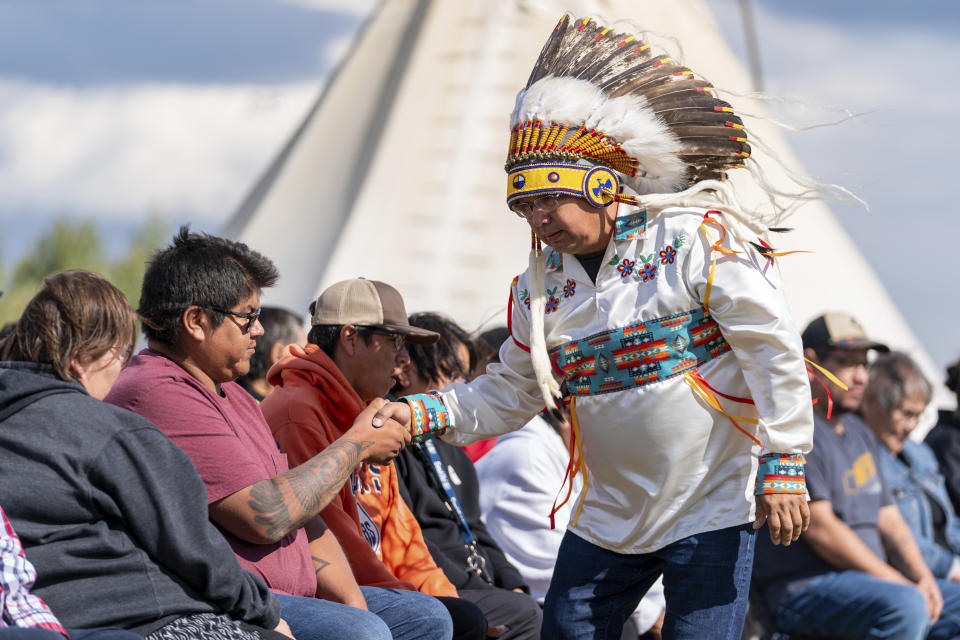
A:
226	481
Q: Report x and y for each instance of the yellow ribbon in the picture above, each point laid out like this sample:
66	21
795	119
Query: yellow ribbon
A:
716	246
832	378
575	425
711	399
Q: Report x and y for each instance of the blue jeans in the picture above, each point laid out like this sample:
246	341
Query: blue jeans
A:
409	614
316	619
853	604
706	581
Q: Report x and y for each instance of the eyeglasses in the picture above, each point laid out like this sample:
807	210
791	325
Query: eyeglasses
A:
249	317
398	339
526	208
851	360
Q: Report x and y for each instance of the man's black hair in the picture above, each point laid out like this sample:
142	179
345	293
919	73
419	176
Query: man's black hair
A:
279	326
441	358
326	336
198	269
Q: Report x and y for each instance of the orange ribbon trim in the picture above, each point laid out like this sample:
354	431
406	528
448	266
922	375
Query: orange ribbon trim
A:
716	246
572	469
699	386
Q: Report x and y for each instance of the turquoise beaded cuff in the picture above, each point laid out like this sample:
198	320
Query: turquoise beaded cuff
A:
781	473
428	415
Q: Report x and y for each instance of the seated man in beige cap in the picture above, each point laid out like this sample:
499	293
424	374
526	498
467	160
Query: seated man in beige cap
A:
355	350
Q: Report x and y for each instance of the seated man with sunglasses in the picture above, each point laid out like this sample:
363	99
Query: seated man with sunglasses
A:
354	353
200	307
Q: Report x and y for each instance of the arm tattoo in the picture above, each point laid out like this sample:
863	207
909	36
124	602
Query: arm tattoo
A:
267	503
319	564
316	481
284	503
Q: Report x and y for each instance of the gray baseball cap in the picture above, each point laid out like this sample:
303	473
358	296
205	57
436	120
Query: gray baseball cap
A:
839	330
367	303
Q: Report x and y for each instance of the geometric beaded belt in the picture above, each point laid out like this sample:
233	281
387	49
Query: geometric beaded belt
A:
640	354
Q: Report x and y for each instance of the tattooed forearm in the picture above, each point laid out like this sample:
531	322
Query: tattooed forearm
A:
316	481
271	511
319	564
284	503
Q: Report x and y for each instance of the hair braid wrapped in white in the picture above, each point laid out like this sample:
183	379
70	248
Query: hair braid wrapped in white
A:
538	345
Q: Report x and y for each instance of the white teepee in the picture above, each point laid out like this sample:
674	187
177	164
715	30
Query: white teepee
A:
397	174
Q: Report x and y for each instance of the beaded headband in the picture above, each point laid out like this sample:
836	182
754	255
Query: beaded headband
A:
597	185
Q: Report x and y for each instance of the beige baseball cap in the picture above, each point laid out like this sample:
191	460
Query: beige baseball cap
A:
840	330
367	303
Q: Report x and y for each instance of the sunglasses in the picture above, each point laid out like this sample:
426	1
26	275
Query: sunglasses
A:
398	339
249	317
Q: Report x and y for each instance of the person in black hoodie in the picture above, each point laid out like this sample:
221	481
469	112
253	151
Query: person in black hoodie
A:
439	484
110	512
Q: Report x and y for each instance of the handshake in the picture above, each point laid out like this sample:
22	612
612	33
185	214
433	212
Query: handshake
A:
381	430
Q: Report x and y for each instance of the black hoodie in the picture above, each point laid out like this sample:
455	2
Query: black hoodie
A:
427	501
111	513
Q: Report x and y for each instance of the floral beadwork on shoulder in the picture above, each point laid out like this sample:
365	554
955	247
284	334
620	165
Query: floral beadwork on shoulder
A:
525	298
552	300
651	263
625	266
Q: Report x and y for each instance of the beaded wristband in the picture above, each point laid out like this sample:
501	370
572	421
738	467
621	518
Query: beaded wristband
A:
781	473
428	415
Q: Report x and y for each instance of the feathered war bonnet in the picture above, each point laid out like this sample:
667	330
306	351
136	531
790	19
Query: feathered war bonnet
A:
603	119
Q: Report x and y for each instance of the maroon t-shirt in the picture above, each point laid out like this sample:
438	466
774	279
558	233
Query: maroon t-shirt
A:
231	446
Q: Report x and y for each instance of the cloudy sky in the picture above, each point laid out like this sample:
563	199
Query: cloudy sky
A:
118	108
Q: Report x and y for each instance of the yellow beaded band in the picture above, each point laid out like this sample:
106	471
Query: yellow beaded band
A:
597	184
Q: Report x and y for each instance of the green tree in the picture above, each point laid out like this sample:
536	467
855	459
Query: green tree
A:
67	245
77	245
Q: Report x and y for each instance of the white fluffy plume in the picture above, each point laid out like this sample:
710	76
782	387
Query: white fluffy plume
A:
565	100
627	119
643	136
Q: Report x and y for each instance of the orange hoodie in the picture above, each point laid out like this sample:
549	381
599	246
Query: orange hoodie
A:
402	547
312	405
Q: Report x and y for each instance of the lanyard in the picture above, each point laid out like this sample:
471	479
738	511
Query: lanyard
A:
475	562
441	474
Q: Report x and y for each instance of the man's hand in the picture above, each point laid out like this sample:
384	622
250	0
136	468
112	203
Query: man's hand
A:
284	628
398	411
931	593
380	443
787	515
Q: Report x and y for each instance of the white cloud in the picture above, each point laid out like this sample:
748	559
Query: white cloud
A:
118	151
